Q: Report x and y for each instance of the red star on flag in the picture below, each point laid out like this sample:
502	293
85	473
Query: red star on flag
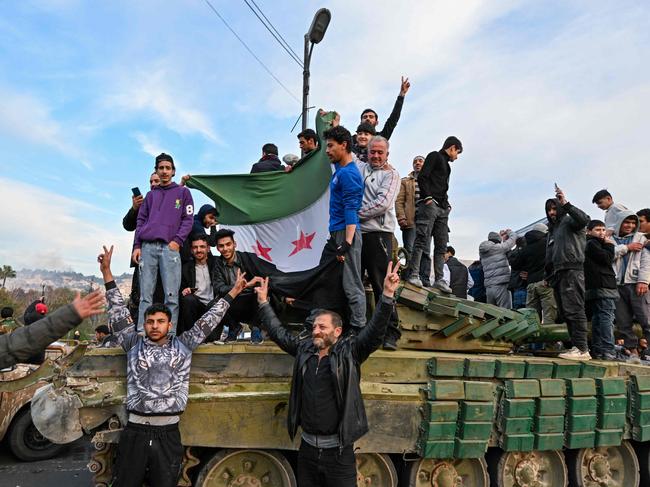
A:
304	242
261	251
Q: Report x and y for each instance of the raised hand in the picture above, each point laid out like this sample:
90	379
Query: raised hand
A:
404	87
104	260
90	305
137	201
391	281
262	291
240	284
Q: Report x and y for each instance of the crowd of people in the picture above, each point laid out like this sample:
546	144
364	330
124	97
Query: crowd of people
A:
184	295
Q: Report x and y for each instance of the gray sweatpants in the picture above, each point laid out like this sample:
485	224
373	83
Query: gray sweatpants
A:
499	295
352	281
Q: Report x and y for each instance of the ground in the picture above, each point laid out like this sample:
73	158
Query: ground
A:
68	468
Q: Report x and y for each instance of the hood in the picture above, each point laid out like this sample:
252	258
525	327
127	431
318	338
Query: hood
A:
533	236
204	210
620	217
494	237
165	188
560	210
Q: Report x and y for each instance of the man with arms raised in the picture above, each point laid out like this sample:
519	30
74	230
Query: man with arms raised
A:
325	399
157	378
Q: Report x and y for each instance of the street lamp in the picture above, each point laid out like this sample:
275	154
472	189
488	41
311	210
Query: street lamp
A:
313	36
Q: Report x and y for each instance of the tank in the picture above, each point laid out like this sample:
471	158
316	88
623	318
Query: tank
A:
453	406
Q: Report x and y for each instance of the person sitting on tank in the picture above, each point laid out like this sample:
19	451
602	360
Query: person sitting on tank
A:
224	277
158	377
27	341
327	362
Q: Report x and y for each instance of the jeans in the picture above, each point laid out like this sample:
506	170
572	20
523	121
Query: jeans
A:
569	287
158	256
352	281
408	237
628	307
602	326
540	296
430	220
326	467
519	298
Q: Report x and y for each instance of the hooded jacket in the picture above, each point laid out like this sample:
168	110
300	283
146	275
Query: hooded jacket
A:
600	279
268	163
346	357
531	258
494	259
197	227
405	201
165	215
377	212
631	267
567	237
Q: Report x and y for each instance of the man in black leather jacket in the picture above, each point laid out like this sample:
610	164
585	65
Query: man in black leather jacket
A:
325	398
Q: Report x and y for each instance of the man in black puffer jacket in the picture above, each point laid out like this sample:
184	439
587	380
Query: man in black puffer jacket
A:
325	399
565	258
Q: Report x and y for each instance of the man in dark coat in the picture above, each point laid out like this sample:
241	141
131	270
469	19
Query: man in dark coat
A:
269	161
325	399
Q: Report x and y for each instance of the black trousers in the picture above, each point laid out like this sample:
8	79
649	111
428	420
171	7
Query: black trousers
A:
242	309
191	309
148	453
376	252
569	287
326	467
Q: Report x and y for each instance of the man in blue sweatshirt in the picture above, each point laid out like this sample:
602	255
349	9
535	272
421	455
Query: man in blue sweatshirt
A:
346	194
164	222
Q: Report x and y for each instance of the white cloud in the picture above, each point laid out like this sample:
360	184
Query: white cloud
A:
55	232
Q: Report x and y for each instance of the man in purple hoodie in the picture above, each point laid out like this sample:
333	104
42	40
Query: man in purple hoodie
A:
164	222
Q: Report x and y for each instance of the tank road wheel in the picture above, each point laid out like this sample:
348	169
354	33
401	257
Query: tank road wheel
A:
613	466
530	469
246	468
375	469
463	472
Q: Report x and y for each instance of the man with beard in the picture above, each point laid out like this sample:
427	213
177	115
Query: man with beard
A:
565	259
346	194
196	283
325	399
370	116
157	383
307	141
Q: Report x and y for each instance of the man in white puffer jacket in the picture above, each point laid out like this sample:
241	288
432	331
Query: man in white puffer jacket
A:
377	220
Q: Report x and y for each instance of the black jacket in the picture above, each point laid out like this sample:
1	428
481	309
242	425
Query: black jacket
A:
532	257
516	281
393	118
458	277
599	270
433	179
346	357
188	272
130	220
267	163
221	282
565	246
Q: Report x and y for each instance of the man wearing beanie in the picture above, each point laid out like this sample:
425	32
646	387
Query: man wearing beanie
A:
496	269
164	222
432	212
370	116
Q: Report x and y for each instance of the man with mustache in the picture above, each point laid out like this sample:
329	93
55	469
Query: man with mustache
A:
325	399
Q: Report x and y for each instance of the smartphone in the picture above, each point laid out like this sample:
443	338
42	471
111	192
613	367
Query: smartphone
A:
557	188
136	191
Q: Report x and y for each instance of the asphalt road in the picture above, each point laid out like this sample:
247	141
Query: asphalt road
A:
67	469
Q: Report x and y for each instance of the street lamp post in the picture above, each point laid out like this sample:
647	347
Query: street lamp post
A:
313	36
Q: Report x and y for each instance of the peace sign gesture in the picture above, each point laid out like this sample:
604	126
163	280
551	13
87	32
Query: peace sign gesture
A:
391	281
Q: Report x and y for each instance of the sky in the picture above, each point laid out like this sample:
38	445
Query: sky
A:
538	92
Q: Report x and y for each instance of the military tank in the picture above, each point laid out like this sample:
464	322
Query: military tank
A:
453	406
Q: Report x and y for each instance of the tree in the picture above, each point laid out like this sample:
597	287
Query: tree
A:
6	272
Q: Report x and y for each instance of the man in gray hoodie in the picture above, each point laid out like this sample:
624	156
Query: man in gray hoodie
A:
496	269
377	221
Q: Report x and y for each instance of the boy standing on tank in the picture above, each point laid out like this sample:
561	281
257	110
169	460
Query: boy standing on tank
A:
600	290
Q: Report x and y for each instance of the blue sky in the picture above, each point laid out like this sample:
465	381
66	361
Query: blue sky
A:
539	92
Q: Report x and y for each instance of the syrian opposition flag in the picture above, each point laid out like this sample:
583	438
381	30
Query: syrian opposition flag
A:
282	217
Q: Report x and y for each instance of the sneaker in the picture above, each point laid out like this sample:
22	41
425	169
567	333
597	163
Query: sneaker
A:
575	354
390	345
256	336
442	286
415	281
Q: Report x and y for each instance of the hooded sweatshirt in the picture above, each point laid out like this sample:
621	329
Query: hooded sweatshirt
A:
380	186
531	258
494	258
631	267
165	215
567	237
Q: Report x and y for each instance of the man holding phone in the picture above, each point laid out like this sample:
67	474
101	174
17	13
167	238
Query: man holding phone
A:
164	222
196	283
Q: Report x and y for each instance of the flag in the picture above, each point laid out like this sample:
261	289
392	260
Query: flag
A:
281	217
